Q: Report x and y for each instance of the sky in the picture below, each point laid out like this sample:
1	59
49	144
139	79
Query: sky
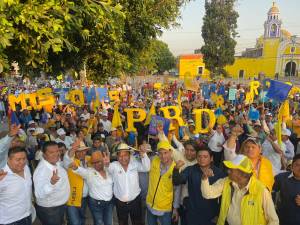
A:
252	15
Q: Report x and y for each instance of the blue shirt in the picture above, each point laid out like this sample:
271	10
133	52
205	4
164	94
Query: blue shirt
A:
204	209
289	187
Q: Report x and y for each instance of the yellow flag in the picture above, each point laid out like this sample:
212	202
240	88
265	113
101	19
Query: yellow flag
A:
278	127
284	111
59	77
150	114
189	82
116	120
179	100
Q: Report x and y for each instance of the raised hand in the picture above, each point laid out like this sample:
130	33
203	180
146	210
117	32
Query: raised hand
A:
2	174
55	178
207	173
179	164
73	166
14	129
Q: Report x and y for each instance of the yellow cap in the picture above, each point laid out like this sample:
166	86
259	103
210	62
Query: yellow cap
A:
164	145
240	162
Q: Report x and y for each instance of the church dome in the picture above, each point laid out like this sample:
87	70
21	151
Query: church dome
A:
274	9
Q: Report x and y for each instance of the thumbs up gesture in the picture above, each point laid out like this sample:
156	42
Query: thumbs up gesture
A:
55	178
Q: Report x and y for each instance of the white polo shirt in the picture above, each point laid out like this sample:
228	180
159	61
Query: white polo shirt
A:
15	196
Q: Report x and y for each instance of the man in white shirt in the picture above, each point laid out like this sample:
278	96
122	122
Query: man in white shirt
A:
100	186
106	123
6	142
126	184
15	189
67	140
274	152
290	149
52	188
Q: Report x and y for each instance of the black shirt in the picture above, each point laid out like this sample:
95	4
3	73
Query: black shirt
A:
289	187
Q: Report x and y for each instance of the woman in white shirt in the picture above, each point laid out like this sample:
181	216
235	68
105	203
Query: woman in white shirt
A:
215	144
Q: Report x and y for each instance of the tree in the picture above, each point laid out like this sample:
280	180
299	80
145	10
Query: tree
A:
58	35
218	32
156	57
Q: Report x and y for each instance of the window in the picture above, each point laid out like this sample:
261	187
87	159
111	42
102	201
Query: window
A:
200	70
241	73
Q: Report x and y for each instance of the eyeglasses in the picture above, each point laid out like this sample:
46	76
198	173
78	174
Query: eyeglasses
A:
97	162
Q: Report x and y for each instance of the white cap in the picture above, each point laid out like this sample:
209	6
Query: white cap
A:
286	132
61	132
39	130
31	122
31	129
104	113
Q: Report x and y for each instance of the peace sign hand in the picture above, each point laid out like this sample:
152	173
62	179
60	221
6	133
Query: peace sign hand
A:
55	178
14	129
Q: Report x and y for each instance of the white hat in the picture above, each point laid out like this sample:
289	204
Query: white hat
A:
31	129
286	132
269	114
82	147
106	101
31	122
113	129
104	113
61	132
39	130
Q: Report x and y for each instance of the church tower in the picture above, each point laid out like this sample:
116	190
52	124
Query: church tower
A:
273	23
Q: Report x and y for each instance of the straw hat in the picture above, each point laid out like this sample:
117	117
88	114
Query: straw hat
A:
82	147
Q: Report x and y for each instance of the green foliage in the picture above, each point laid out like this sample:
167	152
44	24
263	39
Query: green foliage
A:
218	32
108	36
156	57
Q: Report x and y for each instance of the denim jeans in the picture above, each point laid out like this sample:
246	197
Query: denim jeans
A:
76	215
51	215
102	211
165	219
24	221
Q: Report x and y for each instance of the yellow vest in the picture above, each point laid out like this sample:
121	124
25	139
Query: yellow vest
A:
265	174
76	185
160	188
251	206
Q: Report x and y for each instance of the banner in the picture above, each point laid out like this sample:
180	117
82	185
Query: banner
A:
158	121
232	94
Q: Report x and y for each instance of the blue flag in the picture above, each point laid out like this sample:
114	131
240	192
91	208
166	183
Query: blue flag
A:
278	91
253	114
14	119
205	91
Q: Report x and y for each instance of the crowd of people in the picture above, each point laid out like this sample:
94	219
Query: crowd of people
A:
59	164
